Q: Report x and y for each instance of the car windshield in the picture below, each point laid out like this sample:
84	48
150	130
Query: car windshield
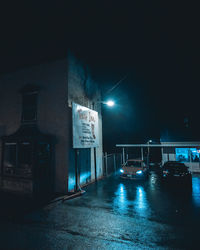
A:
136	164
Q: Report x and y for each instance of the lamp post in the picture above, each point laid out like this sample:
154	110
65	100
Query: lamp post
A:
149	141
109	103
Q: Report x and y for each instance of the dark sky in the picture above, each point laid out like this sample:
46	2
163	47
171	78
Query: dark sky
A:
154	43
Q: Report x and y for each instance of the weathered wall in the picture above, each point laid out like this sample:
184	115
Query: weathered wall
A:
83	90
61	83
2	132
52	108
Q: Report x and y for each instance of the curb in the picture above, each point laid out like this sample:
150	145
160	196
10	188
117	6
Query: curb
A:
75	194
68	197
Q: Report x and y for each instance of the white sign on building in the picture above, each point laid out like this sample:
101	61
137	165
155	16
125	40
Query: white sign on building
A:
85	127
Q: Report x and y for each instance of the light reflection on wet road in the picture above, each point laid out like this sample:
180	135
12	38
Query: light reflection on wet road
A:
114	214
196	191
123	204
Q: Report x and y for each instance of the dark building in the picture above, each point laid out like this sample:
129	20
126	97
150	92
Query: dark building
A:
36	149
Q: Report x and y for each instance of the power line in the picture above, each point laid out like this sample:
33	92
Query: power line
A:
116	85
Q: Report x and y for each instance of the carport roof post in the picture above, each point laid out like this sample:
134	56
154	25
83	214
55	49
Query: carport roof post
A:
123	155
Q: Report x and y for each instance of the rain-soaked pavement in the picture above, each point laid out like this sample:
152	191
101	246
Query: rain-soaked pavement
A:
113	214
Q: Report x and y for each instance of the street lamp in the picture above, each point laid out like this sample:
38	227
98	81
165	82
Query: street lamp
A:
109	103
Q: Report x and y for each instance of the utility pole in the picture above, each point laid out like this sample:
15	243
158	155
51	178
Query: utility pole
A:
148	152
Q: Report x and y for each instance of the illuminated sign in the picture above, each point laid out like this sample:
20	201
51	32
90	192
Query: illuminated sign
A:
85	127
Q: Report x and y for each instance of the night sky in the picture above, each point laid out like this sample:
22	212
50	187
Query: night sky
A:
155	44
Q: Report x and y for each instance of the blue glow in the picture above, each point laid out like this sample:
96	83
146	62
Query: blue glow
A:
140	198
185	154
121	170
133	202
139	172
196	190
110	103
120	201
141	204
71	182
84	177
182	154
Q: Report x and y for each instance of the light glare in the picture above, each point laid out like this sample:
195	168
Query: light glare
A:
110	103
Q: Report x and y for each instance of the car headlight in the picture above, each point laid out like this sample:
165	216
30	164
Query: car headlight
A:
121	170
139	172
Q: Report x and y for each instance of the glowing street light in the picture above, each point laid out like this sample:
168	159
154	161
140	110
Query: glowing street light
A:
110	103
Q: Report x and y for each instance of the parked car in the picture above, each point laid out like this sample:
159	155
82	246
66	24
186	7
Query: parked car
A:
134	169
176	171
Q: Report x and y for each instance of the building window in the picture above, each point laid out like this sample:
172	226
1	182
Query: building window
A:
18	159
29	108
187	154
10	158
29	103
194	154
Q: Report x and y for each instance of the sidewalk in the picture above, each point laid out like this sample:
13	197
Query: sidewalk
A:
14	206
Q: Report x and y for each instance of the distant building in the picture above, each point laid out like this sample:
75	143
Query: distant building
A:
36	152
181	147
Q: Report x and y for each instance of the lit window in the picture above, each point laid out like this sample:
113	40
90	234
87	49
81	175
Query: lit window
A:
194	155
187	154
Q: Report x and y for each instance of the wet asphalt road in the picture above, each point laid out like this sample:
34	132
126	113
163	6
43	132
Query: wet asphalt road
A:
113	214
